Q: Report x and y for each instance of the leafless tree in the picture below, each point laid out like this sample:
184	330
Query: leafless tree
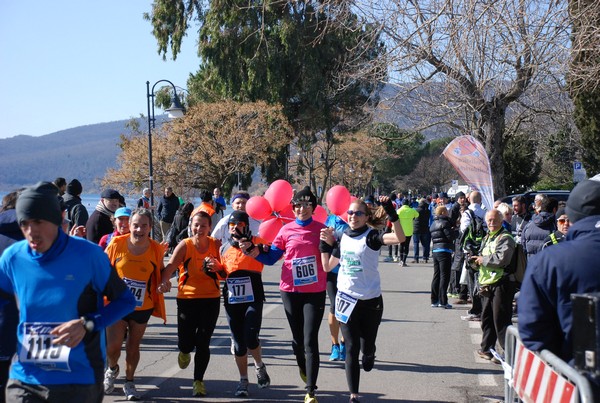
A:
585	68
480	67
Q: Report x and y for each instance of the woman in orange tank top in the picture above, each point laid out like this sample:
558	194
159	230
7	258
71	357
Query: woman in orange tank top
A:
198	297
138	260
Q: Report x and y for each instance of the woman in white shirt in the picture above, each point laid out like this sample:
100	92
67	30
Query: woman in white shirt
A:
359	305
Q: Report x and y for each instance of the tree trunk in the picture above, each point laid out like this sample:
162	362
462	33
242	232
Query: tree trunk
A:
493	141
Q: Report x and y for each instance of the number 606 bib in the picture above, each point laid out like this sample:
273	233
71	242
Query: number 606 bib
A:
344	305
304	270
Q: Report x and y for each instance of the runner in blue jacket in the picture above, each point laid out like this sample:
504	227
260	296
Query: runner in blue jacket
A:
60	282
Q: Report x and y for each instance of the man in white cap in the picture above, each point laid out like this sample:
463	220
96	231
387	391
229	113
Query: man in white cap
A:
60	282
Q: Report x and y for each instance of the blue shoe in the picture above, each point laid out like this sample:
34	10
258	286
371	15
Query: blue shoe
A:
335	353
342	351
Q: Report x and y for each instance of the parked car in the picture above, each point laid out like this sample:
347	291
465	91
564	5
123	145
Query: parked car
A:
560	195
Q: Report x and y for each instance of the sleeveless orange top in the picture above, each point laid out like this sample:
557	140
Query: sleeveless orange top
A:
193	282
141	273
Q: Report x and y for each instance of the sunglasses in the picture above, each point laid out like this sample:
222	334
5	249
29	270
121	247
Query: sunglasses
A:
563	220
356	213
237	224
303	204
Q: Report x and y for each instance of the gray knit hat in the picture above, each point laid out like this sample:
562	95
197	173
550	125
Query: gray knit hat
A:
39	202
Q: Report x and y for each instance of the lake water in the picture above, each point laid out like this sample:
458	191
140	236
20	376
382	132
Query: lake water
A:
91	200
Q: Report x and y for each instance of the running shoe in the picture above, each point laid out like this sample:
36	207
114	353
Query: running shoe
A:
131	392
310	398
262	376
435	304
388	259
183	359
471	317
342	351
335	353
368	361
242	389
109	379
447	306
354	400
198	389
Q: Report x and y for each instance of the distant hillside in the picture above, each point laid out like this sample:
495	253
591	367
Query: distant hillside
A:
83	152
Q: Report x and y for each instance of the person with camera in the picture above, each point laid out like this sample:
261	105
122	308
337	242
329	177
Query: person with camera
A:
244	297
496	287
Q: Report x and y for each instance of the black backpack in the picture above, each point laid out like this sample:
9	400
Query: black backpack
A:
474	234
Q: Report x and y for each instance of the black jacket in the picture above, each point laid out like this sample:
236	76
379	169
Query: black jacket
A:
167	207
442	233
421	223
76	211
535	233
98	225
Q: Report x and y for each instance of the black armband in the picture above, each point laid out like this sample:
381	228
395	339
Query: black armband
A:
324	247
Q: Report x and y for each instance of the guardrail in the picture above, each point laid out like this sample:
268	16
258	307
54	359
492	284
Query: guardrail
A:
544	377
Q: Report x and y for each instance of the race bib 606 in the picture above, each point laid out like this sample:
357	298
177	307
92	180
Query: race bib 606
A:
304	270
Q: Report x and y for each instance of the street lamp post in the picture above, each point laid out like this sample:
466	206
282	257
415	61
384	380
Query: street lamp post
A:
174	111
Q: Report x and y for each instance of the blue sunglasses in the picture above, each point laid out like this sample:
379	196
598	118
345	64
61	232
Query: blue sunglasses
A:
356	213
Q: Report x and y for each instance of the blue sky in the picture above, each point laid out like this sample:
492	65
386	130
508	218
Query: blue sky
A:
65	64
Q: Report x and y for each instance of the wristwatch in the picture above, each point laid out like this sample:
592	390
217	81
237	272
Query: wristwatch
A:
88	324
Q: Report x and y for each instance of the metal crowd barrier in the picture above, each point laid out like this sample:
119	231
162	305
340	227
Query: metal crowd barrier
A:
544	377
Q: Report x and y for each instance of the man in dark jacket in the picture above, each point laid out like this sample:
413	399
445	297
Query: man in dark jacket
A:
168	205
421	232
540	226
572	266
100	223
520	217
76	212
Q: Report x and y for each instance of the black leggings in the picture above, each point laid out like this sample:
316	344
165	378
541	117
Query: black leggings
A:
196	321
244	322
404	248
304	311
359	335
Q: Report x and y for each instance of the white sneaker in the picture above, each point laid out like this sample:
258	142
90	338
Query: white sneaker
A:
109	380
131	392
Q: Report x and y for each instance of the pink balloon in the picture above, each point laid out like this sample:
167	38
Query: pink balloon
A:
338	199
258	208
344	216
287	213
269	229
320	214
279	194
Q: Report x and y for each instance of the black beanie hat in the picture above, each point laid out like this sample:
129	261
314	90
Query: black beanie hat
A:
239	216
305	195
74	188
584	200
39	202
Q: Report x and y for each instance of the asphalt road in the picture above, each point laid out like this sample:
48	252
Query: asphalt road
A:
424	354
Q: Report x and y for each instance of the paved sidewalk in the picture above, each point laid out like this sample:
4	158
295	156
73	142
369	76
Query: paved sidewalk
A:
424	354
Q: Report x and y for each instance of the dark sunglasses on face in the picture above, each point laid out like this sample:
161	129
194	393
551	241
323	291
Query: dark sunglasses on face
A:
356	213
563	220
